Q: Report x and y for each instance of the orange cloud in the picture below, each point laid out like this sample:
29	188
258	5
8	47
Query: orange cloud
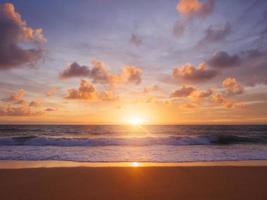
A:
219	98
150	89
199	94
232	87
87	91
190	9
16	97
131	74
99	73
188	106
189	73
13	31
195	8
52	91
184	91
15	105
23	110
50	109
107	96
35	103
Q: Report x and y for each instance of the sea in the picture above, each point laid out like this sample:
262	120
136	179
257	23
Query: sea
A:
125	143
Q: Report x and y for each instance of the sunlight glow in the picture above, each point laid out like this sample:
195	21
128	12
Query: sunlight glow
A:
135	164
135	121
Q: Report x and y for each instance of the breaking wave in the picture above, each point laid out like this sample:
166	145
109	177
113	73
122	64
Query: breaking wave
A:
132	141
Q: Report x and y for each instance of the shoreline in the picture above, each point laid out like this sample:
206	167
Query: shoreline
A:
23	164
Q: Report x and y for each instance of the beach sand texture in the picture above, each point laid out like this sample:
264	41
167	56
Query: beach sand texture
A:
126	183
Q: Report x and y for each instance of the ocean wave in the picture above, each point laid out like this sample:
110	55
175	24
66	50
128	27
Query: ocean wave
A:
132	141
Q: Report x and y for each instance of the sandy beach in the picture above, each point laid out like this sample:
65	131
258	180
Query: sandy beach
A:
223	180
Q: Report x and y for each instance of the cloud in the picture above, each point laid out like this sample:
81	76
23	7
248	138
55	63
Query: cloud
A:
189	73
136	40
232	87
184	91
249	66
222	59
17	97
14	32
50	109
192	93
52	91
220	99
188	106
197	95
150	89
99	73
131	74
35	103
190	10
107	96
195	8
179	28
215	34
15	105
87	91
22	110
75	70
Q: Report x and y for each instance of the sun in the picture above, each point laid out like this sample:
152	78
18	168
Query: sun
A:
135	164
135	121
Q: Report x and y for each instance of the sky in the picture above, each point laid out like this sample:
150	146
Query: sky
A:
113	61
